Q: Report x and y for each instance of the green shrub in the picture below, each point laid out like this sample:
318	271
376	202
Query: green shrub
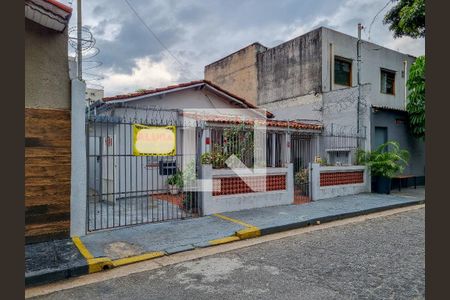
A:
301	177
387	160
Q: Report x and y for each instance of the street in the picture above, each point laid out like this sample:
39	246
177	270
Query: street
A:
381	258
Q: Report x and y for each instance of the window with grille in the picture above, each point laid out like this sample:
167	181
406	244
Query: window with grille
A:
387	82
342	71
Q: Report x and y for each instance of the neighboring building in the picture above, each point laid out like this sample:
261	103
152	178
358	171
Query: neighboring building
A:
93	95
47	121
314	77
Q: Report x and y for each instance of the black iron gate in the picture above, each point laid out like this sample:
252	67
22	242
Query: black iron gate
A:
303	151
125	188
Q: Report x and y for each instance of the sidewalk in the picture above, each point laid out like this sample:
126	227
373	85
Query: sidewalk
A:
56	260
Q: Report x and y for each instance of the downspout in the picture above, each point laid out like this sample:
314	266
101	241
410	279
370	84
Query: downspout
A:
405	69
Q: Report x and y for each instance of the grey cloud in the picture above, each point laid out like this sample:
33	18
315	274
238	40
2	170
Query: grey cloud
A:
199	32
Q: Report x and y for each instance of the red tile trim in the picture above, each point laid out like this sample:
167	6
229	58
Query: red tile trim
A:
340	178
235	185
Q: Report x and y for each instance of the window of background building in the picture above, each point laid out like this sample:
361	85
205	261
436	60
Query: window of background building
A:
342	71
387	82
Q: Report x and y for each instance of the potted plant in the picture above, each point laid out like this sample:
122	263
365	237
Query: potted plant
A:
175	183
385	162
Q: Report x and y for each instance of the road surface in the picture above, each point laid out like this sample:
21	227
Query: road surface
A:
382	258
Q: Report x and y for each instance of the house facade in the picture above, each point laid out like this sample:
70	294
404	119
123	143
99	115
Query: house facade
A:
128	185
314	77
47	121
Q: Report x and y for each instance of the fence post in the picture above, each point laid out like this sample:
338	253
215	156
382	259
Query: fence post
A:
206	189
314	179
290	181
78	182
288	148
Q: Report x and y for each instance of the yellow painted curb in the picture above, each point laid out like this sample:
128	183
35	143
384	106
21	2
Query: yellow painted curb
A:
137	258
233	220
225	240
83	250
248	233
99	264
94	264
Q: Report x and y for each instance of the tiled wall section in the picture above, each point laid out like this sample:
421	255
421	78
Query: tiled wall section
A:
339	178
235	185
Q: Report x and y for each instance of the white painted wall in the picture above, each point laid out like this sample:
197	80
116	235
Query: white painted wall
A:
78	161
224	203
325	192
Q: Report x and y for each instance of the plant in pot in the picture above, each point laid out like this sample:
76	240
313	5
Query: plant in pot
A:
385	162
175	183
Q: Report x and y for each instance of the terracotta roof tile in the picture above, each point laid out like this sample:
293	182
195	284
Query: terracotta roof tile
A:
239	120
181	85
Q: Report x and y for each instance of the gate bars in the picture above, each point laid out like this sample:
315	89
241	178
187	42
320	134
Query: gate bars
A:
124	189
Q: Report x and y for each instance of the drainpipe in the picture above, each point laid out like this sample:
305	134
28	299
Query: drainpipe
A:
405	68
358	51
331	67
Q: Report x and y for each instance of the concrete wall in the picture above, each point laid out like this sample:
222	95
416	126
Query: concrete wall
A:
47	83
237	72
302	107
397	129
374	57
340	110
324	192
290	70
218	204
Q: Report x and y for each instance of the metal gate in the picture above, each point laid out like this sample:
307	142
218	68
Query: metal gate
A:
128	189
303	151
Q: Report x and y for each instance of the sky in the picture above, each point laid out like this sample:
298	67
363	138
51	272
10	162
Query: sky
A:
198	32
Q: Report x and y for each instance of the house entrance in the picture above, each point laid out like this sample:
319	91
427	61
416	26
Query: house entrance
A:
128	186
302	153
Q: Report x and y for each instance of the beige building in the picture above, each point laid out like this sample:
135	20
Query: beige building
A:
237	72
93	95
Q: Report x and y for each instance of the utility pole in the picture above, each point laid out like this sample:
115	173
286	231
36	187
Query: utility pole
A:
358	51
79	53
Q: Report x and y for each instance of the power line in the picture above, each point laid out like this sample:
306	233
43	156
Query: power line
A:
373	20
157	38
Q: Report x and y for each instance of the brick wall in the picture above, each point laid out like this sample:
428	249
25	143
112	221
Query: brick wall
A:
340	178
235	185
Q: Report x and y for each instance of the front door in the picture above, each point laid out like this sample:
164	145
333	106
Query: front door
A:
381	136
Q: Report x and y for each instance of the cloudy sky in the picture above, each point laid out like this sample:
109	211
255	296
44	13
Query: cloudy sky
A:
198	32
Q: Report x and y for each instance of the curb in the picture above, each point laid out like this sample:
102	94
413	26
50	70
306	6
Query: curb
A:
280	228
93	265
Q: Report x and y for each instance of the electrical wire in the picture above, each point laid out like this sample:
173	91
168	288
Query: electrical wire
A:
373	20
157	38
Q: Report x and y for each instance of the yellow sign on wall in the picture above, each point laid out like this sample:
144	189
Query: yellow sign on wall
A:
154	140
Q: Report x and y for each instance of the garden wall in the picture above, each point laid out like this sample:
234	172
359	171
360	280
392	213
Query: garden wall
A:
328	182
231	193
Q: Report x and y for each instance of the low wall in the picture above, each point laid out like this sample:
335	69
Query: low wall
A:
231	193
328	182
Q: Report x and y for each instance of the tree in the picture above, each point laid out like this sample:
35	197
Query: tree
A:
407	18
416	97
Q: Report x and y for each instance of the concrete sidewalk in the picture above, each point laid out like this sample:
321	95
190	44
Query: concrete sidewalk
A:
108	249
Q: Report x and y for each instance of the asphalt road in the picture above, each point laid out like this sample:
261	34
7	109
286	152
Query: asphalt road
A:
382	258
